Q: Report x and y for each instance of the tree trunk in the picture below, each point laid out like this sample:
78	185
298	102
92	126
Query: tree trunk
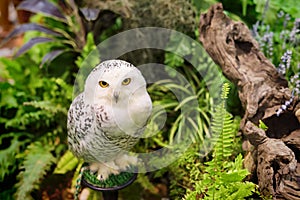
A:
274	160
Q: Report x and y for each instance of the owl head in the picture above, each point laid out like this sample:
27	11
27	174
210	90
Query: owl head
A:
120	88
114	81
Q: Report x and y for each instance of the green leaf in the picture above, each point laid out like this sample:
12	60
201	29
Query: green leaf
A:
89	56
66	163
234	176
8	155
38	160
242	190
8	100
244	6
173	60
262	125
225	90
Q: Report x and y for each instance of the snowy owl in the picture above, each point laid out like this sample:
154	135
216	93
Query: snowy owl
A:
107	118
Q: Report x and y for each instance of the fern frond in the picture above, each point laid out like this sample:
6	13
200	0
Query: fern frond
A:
38	160
225	91
48	106
22	119
222	128
8	155
223	178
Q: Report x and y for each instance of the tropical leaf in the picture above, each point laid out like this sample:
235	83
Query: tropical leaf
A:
66	163
28	27
31	43
42	6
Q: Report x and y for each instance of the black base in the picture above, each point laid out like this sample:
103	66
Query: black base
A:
101	189
108	193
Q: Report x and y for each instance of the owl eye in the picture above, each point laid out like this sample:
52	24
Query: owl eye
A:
126	81
103	84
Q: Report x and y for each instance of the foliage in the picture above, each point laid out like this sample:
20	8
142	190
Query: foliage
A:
261	10
66	163
37	161
222	178
33	116
36	91
34	102
8	155
262	125
157	13
281	44
60	24
222	130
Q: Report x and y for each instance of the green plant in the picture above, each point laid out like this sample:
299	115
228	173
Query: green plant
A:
33	116
222	178
59	24
37	161
261	10
281	44
37	91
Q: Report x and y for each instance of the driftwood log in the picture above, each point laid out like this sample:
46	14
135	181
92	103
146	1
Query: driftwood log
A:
274	157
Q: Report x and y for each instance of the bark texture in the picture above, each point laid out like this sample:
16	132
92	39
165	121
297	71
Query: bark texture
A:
274	157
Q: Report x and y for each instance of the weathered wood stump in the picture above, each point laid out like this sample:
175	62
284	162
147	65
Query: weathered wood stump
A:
274	158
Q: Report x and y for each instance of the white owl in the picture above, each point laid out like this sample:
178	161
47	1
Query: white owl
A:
107	118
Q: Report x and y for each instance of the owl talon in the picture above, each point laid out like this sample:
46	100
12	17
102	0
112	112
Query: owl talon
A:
103	174
101	177
103	170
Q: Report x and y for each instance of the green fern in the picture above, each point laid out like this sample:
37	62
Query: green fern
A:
223	129
8	155
38	160
222	178
24	119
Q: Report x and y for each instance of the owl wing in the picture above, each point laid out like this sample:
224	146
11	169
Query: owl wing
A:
79	125
89	132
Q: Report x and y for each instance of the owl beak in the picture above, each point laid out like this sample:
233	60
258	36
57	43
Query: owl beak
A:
116	96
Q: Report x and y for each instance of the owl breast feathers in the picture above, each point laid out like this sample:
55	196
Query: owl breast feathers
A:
107	118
